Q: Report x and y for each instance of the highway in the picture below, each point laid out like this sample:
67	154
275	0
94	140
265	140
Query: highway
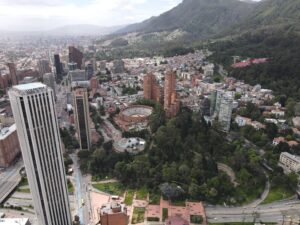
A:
9	179
274	212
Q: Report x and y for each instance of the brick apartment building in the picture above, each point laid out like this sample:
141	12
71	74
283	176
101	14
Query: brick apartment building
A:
9	145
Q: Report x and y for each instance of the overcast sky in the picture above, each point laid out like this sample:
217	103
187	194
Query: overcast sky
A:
48	14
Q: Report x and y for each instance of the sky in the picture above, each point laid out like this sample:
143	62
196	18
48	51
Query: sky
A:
33	15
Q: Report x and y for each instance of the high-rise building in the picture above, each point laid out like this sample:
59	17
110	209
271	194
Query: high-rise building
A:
75	56
44	66
119	66
58	67
72	66
171	103
81	111
89	70
49	80
152	89
225	112
35	115
13	73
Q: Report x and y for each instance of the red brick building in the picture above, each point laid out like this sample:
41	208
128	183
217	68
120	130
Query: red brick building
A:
113	214
94	83
9	145
13	73
152	89
75	56
171	102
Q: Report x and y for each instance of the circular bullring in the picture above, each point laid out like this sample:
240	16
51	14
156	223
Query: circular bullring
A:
136	113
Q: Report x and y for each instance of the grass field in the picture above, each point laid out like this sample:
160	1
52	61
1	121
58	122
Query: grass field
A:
111	188
138	215
142	193
277	194
23	190
129	197
154	199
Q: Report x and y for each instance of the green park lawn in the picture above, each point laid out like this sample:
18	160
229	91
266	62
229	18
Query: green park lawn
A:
114	188
138	215
277	194
23	190
154	199
129	197
142	193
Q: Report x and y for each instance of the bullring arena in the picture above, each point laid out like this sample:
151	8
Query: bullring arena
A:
135	117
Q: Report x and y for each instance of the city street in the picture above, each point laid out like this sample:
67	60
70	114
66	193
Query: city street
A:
82	197
274	212
9	179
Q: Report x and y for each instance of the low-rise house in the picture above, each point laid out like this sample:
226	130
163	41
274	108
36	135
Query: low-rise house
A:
242	121
278	140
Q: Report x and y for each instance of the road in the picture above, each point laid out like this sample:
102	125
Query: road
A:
9	179
82	196
273	212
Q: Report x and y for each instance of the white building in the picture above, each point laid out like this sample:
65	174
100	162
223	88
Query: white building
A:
35	115
291	162
242	121
14	221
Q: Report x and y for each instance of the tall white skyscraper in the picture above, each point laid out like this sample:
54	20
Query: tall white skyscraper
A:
34	113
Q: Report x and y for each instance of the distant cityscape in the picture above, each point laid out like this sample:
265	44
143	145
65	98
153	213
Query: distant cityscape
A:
191	117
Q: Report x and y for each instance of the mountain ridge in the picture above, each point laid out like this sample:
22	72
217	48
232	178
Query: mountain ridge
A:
203	18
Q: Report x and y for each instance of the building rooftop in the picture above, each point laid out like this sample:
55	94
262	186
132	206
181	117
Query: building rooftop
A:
290	156
112	207
30	86
6	131
13	221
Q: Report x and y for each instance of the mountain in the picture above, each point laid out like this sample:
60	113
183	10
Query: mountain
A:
272	14
272	31
203	18
82	29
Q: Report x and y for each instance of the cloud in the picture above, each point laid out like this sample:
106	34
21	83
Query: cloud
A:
48	14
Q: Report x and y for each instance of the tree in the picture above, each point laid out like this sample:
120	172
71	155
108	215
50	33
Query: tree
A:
171	191
272	130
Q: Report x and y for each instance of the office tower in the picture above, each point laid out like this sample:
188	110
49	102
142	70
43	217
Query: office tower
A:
35	115
44	66
77	75
119	66
49	80
13	73
75	56
72	66
171	103
58	67
89	69
81	111
225	112
152	89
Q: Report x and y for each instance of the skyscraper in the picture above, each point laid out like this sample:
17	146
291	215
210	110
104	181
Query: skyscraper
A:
152	89
49	80
75	56
171	103
37	127
58	67
13	73
81	110
44	66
